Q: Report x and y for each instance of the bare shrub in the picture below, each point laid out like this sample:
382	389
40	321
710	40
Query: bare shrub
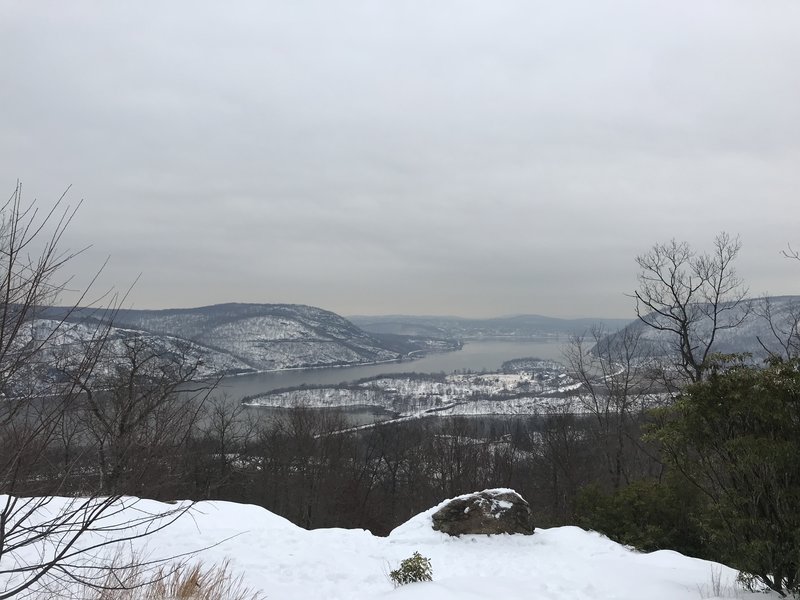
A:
181	581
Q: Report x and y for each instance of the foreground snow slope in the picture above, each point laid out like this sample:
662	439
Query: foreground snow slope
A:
287	562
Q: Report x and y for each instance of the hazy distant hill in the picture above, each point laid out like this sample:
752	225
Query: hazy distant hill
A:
244	337
747	337
520	326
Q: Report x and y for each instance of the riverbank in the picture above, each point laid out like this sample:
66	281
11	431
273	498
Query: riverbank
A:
477	356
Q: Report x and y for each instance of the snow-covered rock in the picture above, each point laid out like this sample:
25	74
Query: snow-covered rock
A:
488	512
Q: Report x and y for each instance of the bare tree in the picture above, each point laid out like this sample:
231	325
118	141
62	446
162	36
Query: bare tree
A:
691	297
44	537
617	385
140	412
562	458
222	450
782	317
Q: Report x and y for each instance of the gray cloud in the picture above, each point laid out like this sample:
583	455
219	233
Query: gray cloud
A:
472	158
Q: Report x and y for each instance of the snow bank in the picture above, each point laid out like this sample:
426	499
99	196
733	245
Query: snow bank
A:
287	562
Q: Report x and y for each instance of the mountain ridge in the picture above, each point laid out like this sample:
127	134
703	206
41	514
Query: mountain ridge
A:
516	326
257	337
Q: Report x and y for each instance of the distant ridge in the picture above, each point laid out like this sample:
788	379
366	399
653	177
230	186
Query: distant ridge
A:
240	338
518	326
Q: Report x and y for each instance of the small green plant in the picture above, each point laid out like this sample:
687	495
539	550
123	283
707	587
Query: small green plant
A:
413	569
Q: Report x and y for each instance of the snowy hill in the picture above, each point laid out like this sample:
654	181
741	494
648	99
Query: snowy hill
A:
267	336
253	337
287	562
67	345
747	337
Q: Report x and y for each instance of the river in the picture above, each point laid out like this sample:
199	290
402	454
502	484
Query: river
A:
474	356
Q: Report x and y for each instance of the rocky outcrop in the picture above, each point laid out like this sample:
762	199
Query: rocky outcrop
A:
486	512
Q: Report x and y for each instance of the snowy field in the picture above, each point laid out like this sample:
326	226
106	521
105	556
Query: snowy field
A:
284	561
524	393
401	392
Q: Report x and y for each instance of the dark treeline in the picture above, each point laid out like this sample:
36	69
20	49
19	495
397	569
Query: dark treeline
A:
165	445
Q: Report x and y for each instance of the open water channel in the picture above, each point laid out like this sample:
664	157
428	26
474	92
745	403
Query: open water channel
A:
474	356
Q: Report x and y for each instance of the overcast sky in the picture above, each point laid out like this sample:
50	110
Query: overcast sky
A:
416	156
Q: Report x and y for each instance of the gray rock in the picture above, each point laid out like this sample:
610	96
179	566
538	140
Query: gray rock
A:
486	512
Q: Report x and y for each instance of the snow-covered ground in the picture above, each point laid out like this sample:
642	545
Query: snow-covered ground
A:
420	392
287	562
522	393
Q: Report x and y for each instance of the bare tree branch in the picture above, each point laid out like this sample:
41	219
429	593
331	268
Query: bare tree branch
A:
43	449
691	297
791	252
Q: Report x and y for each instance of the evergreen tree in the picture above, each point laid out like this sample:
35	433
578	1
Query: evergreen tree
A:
736	437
